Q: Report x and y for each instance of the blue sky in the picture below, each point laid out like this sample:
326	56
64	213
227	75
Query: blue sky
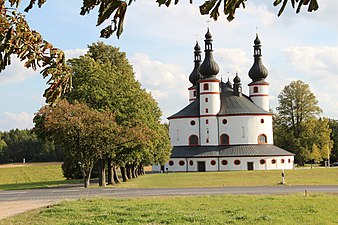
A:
159	43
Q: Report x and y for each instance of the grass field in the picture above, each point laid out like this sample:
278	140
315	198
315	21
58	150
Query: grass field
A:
32	175
227	209
315	176
41	175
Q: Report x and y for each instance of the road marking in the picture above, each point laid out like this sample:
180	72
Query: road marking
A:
65	191
12	193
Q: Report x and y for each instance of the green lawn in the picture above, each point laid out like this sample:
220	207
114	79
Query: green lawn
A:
315	176
224	209
34	175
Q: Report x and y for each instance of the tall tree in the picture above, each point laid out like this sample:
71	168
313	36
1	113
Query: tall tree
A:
333	123
296	126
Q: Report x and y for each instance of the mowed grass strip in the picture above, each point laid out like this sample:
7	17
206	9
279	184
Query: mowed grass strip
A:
315	176
225	209
33	175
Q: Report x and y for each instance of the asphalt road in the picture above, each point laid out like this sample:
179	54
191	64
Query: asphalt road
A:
59	193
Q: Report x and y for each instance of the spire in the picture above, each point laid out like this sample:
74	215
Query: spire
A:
209	67
195	74
258	72
237	85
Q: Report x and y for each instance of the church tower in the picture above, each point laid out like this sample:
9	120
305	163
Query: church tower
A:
259	88
209	95
195	74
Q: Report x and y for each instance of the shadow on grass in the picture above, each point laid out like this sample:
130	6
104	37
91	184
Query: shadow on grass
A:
42	184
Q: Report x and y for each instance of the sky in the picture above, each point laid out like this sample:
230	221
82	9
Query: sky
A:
159	43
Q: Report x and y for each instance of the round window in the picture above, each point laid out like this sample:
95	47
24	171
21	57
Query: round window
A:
273	161
192	123
171	163
262	161
181	163
282	161
191	162
262	120
224	162
213	162
224	121
237	162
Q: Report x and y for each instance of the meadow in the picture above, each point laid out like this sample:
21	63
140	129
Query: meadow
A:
222	209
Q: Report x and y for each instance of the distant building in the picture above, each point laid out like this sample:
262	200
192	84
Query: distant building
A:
222	128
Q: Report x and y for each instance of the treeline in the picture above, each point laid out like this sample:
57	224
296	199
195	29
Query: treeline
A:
106	119
18	145
299	128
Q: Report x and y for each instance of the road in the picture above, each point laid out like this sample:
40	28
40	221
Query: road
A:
60	193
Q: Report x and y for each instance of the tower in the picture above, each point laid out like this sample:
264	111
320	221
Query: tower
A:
259	88
195	74
209	95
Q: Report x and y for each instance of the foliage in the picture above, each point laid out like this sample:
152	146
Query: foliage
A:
16	38
83	133
18	144
296	127
217	209
334	137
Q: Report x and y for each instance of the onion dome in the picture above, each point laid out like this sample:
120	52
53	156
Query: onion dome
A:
237	86
258	72
209	67
228	83
237	80
195	74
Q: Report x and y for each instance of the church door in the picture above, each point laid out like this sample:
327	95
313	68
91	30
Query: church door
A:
201	166
250	166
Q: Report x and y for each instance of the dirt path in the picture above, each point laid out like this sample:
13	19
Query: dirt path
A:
12	208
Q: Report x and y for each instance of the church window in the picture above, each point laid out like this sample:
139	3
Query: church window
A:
243	132
289	160
212	162
193	140
205	87
273	161
207	140
192	123
191	162
171	163
262	139
282	161
224	139
224	162
262	161
237	162
206	99
262	120
181	163
195	93
255	89
207	121
224	121
178	134
206	110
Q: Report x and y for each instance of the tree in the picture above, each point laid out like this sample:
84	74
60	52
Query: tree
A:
104	80
83	133
296	126
334	137
16	37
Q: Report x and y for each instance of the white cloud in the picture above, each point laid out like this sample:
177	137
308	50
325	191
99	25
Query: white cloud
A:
75	53
21	120
16	72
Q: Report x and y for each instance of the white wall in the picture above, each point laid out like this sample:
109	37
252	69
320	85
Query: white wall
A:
180	129
246	129
261	98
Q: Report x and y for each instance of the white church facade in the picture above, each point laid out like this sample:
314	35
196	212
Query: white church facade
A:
222	128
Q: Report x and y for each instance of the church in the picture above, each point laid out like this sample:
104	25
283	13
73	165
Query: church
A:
222	128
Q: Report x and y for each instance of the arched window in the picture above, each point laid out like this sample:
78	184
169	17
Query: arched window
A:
262	139
224	139
255	89
193	140
205	87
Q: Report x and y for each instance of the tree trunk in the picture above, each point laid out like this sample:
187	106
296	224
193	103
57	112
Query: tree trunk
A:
86	176
133	174
102	173
116	177
123	173
128	170
110	172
